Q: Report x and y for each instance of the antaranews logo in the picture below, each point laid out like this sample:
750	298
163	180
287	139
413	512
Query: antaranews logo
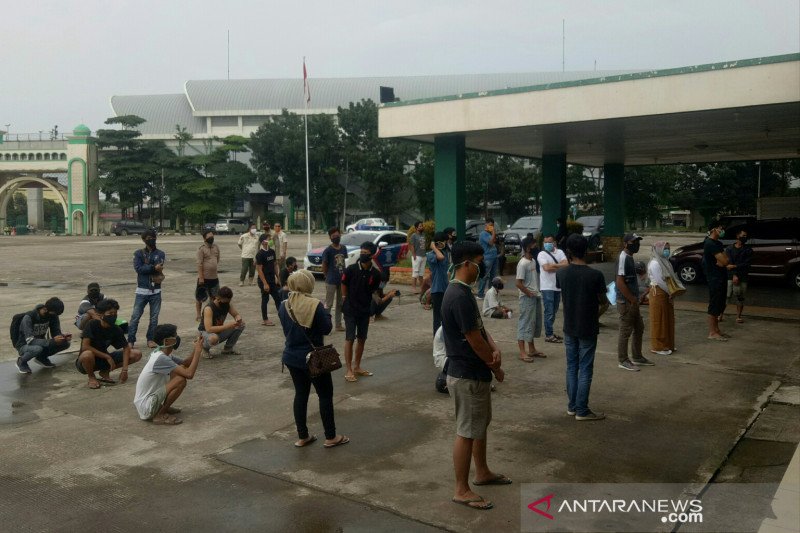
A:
534	506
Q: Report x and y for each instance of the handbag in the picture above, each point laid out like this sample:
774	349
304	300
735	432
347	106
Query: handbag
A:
158	277
320	360
674	288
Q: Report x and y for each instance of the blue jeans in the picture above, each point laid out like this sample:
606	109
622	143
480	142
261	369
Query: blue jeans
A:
490	266
154	300
551	300
41	349
580	367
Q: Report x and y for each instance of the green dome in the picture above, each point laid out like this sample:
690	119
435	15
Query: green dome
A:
82	130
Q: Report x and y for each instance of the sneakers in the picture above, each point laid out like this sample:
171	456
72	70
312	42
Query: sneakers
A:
22	368
643	362
627	365
553	338
588	417
661	352
570	413
45	362
241	283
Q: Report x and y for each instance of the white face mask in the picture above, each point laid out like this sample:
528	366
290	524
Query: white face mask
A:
253	231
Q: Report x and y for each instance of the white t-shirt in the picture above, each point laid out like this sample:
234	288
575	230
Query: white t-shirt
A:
152	382
547	280
526	271
491	301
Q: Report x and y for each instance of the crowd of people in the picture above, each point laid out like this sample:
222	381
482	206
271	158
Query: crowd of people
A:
356	295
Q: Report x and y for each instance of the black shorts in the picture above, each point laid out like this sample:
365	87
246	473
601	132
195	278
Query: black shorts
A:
356	326
101	365
717	294
207	290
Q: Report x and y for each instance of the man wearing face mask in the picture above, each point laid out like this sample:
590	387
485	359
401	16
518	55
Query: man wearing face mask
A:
630	316
438	263
450	233
248	244
98	337
31	342
290	268
148	263
267	266
550	261
333	259
740	256
715	264
472	358
359	282
164	377
213	328
487	239
418	246
86	309
207	277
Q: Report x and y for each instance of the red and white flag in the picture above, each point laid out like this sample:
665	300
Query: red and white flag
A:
306	88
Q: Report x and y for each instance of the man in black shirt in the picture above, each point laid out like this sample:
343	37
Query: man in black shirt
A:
291	266
98	336
267	266
472	357
359	281
740	257
583	290
715	263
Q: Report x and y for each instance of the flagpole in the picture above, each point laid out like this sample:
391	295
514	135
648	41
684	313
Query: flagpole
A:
308	189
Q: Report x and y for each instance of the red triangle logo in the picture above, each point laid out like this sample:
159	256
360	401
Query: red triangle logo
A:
534	506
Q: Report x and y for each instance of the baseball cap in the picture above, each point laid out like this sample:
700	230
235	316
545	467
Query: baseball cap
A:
631	237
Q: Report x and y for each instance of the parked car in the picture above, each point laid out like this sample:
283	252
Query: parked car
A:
593	229
231	225
369	224
209	226
392	248
513	236
776	251
130	227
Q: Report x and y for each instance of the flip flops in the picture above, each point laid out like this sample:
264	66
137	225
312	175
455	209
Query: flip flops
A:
107	381
526	359
340	442
94	385
540	355
499	479
363	373
168	420
351	379
306	442
486	505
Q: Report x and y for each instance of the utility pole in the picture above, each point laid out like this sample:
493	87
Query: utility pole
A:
346	183
563	41
161	202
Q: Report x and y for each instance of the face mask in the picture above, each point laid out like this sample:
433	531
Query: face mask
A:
743	239
150	242
365	258
633	246
336	240
665	253
253	231
110	320
210	241
173	346
549	246
721	233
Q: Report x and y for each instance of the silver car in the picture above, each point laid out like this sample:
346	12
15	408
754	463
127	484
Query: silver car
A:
230	225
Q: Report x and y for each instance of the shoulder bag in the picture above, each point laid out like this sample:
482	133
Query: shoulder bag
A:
158	277
322	360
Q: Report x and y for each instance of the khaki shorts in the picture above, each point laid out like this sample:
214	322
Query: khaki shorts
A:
736	293
473	406
418	266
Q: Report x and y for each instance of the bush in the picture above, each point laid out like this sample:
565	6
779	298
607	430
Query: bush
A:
573	226
429	228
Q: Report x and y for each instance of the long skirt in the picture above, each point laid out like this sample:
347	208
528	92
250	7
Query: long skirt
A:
662	320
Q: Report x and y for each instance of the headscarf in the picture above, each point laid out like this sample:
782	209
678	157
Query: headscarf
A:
303	306
657	255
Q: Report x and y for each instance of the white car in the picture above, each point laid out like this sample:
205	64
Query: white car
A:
392	246
369	224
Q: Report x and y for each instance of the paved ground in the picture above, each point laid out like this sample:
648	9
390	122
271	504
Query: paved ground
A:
74	458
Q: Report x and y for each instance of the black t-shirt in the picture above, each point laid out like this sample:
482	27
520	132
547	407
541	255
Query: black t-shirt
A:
266	258
284	276
582	289
360	285
714	273
101	338
460	314
742	258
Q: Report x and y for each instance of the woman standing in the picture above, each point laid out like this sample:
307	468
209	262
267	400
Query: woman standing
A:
305	321
662	310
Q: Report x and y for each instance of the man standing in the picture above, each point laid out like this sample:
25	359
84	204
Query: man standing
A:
248	244
740	256
472	357
213	327
550	260
267	267
30	339
439	262
630	316
529	324
98	336
487	239
715	264
333	259
359	282
207	277
583	289
291	267
149	266
281	244
418	247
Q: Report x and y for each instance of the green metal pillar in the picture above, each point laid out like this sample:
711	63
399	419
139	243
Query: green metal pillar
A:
554	191
613	199
449	185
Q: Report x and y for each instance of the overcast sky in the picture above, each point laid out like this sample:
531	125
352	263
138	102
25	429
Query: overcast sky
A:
61	60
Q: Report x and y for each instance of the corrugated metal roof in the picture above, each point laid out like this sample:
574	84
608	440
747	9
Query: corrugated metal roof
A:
254	96
162	112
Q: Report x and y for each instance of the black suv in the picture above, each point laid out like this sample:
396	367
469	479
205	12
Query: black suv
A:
776	251
129	227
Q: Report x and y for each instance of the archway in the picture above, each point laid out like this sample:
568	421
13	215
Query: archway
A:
10	187
77	222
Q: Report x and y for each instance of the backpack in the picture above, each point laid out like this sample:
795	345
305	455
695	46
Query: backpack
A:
16	322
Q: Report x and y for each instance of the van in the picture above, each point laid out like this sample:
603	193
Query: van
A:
231	225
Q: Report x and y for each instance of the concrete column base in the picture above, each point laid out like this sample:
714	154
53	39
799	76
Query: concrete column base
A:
612	246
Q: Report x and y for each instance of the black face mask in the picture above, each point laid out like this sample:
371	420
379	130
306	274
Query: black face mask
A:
177	343
365	258
224	307
110	320
210	241
743	239
94	296
150	242
633	246
336	240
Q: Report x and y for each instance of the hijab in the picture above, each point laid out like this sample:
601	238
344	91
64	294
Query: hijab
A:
657	255
302	305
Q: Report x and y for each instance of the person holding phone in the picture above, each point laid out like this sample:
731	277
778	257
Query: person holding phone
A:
213	327
31	342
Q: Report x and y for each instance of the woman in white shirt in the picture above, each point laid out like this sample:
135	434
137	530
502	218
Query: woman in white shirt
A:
662	309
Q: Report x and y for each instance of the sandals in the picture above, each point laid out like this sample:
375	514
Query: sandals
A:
540	355
106	381
363	373
740	320
498	479
305	442
168	420
478	503
267	323
526	359
173	410
343	440
94	385
351	379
